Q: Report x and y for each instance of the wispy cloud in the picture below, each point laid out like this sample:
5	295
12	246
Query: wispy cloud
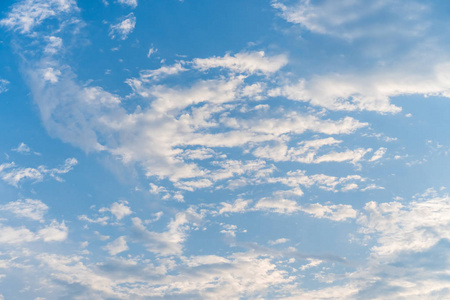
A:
122	29
130	3
27	14
13	174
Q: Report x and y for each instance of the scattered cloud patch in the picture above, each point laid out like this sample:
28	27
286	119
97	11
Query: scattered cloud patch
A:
28	208
117	246
279	241
131	3
99	220
241	139
4	85
54	45
164	71
27	14
244	62
22	148
151	51
122	29
54	232
346	19
118	209
13	174
239	206
339	212
169	242
378	154
405	228
52	75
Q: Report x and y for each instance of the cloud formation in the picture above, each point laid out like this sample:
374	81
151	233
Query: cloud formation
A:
122	29
276	166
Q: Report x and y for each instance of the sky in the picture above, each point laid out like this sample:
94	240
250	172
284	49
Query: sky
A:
207	149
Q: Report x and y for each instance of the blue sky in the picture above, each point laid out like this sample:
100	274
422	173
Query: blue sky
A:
168	149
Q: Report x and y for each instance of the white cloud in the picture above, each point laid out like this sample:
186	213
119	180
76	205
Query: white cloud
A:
27	14
10	235
356	19
195	261
147	75
201	153
52	75
346	291
193	184
338	212
244	62
13	175
350	155
155	136
97	113
131	3
296	179
101	237
155	189
304	152
184	122
346	93
215	91
54	45
281	206
279	241
28	208
156	218
3	85
169	242
54	232
421	68
231	168
239	275
238	206
123	28
151	51
407	237
118	209
22	148
117	246
71	269
313	263
69	163
412	227
229	230
295	123
378	154
255	91
100	220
